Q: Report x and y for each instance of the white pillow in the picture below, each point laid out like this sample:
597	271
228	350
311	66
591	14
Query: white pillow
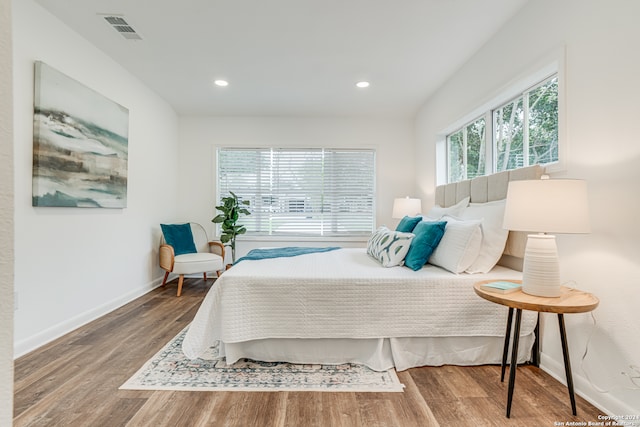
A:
389	247
494	237
438	211
460	245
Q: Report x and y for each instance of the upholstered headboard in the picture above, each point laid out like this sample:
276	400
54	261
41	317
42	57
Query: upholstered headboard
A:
487	189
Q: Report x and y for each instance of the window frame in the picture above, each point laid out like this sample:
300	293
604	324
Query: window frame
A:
269	234
553	64
465	142
524	97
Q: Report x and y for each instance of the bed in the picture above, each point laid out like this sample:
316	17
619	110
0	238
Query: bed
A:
343	306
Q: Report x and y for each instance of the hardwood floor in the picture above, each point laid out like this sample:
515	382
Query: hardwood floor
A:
74	382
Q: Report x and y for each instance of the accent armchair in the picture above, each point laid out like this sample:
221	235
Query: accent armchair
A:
186	249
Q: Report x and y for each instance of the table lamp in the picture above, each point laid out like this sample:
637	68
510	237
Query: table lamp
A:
406	207
545	206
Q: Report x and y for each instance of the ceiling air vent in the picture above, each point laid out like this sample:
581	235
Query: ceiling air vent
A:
119	24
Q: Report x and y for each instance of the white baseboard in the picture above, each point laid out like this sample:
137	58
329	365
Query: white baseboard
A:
33	342
607	403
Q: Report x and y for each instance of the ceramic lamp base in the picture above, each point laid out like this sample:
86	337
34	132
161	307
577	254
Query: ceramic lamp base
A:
541	269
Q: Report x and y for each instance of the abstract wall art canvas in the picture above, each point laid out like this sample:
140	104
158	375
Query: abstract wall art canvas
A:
80	144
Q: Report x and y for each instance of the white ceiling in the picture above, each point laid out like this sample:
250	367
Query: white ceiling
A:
291	57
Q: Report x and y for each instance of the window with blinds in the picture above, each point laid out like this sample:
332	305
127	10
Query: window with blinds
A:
301	192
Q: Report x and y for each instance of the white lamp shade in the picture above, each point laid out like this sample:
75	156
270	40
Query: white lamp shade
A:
406	206
547	206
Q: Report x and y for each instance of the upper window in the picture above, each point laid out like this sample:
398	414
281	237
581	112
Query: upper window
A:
301	192
524	132
466	151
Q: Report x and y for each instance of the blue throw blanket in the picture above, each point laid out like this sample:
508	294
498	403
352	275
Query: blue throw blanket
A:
288	251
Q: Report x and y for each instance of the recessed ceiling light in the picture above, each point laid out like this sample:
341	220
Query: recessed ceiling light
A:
221	83
362	85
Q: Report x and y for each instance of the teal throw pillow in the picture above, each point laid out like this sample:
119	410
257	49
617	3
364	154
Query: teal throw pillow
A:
179	236
428	235
408	223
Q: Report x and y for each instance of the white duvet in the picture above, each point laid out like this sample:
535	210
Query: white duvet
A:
344	294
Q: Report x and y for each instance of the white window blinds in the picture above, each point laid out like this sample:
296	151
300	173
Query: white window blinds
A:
303	192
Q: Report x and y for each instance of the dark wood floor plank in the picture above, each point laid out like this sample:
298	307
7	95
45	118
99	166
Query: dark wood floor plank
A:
304	409
377	413
459	382
340	410
413	408
33	374
156	410
74	381
432	385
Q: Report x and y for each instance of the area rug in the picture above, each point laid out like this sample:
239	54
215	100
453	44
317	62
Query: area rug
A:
170	369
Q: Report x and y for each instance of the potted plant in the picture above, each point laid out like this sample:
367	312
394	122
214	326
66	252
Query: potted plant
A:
231	208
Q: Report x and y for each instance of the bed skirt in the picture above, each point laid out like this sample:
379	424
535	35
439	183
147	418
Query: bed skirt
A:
379	354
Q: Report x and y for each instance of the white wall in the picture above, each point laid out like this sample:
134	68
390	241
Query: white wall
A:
73	264
6	218
392	138
602	69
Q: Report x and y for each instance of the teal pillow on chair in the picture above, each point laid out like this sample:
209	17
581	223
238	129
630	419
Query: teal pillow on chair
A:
407	224
180	237
428	235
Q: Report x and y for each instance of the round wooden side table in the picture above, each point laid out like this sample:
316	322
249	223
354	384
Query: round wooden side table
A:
569	301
